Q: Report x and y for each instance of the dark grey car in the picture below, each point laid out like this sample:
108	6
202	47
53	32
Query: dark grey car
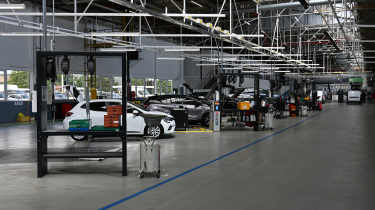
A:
198	111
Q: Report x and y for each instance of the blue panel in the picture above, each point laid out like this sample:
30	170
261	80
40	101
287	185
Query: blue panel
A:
10	110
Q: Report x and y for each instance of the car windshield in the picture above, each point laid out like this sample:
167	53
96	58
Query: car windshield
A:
138	106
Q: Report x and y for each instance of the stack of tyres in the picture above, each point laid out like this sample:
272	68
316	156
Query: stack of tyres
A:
149	157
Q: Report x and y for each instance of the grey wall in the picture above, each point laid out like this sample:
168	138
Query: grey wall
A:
249	83
16	53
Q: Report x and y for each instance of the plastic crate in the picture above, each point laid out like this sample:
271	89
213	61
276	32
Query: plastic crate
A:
79	124
102	128
78	129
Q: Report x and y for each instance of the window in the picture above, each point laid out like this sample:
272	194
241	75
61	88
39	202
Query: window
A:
96	106
191	102
100	106
112	103
18	85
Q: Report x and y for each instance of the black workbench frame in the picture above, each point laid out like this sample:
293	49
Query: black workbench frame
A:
42	133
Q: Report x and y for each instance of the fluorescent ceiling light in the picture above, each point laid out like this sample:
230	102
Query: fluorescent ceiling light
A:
234	68
301	60
186	47
270	60
12	6
309	67
21	34
117	49
366	26
207	64
250	71
297	55
125	34
282	71
270	48
199	5
267	68
182	50
270	64
242	35
223	59
170	59
108	14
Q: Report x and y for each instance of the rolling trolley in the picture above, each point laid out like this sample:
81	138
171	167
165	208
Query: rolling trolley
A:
149	156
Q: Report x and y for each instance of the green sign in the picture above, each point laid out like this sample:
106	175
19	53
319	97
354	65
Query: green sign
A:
356	80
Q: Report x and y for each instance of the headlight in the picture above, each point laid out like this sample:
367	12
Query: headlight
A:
168	119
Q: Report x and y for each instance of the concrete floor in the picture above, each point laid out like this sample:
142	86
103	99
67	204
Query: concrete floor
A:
324	162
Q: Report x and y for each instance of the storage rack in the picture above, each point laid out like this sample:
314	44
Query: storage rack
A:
43	133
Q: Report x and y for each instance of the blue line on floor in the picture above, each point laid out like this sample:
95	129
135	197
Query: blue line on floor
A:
205	164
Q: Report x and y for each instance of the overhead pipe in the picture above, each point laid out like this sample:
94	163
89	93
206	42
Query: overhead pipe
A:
294	5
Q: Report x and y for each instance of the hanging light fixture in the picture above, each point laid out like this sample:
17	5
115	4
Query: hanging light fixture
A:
51	68
65	65
91	65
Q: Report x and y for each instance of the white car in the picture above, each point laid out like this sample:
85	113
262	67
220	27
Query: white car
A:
354	96
135	121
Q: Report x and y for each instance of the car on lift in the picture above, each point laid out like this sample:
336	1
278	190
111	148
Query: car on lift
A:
198	110
134	117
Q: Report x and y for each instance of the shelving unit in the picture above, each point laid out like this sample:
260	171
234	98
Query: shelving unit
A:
43	133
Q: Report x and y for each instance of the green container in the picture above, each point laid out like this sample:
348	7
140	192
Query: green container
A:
102	128
79	124
356	80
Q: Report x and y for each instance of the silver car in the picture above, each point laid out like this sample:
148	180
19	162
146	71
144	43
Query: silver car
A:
198	111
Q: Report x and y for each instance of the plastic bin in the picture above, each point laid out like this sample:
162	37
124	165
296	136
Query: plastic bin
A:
79	125
244	105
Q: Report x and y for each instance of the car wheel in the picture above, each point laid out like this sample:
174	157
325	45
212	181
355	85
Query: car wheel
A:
79	137
155	131
206	120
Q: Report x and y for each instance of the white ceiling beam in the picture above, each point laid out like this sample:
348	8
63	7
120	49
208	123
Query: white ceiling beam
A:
72	14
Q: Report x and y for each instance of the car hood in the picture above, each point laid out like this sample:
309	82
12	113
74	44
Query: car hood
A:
155	113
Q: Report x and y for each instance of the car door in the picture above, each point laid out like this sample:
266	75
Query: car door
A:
135	123
194	109
97	112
